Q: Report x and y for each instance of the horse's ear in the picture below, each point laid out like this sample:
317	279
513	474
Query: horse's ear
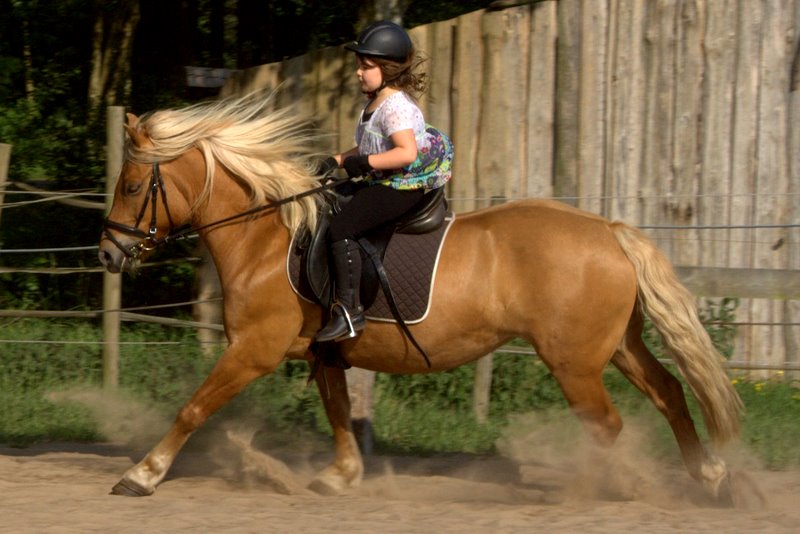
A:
138	137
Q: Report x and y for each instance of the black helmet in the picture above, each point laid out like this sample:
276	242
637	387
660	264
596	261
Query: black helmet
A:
383	39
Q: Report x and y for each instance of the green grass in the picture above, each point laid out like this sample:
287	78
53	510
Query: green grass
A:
419	414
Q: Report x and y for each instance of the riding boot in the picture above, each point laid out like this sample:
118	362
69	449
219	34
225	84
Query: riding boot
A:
347	314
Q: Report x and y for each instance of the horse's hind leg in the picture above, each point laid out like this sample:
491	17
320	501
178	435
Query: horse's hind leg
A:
645	372
347	468
589	400
586	394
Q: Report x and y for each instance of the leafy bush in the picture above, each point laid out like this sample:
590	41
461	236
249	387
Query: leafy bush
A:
423	414
771	425
29	370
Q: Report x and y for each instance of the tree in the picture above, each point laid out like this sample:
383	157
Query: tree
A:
62	63
383	10
112	46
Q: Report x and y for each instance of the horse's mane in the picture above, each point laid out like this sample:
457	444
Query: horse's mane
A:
271	150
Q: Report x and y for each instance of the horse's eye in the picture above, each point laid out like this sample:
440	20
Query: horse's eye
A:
132	188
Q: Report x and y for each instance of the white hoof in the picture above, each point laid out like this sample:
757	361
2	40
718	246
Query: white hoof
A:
713	473
333	481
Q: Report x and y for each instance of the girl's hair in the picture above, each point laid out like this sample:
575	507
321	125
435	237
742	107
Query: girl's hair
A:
407	76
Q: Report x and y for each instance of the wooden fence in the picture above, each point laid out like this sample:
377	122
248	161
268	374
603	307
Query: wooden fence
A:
668	114
674	115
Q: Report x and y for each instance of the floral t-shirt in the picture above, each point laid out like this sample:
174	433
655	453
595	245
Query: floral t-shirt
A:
399	112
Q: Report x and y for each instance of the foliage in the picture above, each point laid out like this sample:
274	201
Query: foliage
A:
771	425
419	429
28	371
427	11
42	109
716	315
420	414
46	54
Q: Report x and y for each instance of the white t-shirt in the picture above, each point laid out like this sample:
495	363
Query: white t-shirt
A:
397	113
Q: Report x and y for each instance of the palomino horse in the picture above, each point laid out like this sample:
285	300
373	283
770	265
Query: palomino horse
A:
573	284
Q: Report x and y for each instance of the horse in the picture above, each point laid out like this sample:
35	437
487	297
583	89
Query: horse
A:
241	172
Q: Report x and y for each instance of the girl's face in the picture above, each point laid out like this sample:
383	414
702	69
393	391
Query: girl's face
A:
369	75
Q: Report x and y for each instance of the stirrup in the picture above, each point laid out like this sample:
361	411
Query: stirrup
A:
340	311
351	330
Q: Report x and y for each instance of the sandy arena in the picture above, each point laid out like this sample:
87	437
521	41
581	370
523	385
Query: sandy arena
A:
223	483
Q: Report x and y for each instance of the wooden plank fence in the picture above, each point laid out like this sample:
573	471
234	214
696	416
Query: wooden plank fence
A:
662	113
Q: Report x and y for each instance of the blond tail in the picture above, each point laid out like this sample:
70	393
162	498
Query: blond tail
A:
672	310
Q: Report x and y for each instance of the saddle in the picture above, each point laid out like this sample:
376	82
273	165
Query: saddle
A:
399	259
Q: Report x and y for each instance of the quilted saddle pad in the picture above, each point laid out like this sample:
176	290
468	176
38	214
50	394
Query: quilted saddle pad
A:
411	263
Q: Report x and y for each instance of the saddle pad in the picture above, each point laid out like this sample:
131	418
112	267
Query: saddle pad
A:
410	263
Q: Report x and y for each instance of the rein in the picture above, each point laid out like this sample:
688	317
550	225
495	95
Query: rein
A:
150	241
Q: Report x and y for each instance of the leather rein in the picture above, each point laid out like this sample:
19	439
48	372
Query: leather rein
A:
150	241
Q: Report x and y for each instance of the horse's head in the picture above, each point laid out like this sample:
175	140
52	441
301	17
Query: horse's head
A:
146	208
171	161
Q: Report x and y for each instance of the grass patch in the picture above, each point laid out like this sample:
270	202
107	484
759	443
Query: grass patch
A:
418	414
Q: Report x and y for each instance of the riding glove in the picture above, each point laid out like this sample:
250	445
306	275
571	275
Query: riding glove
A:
327	165
357	165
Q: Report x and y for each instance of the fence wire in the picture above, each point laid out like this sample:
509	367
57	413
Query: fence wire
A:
129	315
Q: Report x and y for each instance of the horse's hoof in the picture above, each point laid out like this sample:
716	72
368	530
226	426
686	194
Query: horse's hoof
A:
129	488
325	487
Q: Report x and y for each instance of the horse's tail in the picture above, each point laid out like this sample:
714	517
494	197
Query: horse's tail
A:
672	310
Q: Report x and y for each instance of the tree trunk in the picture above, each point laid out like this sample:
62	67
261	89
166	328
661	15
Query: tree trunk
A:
217	35
28	60
112	41
382	10
253	33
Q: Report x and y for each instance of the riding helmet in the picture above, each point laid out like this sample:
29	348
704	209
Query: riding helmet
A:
383	39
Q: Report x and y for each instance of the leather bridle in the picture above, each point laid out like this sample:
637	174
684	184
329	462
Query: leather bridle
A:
150	241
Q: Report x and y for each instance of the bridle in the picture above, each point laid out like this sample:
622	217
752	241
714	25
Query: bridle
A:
150	241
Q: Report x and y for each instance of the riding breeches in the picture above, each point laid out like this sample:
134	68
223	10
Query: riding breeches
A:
370	208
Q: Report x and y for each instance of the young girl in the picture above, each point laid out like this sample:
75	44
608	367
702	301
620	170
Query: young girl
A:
399	155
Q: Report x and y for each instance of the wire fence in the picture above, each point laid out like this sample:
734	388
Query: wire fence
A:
128	314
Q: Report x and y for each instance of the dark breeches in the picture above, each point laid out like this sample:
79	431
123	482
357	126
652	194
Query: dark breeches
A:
370	208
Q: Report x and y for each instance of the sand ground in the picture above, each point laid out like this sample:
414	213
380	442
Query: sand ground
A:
63	487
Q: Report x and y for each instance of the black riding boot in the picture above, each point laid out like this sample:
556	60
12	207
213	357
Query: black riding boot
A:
347	315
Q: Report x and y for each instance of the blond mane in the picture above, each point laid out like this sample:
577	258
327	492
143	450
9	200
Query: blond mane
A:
271	150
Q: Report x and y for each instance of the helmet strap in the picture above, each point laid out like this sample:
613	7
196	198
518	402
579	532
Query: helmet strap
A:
374	94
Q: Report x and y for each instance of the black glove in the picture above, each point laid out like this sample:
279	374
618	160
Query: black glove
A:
357	166
327	165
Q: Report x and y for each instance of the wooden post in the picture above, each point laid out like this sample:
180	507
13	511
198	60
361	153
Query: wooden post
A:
5	157
482	388
208	307
360	383
565	178
112	283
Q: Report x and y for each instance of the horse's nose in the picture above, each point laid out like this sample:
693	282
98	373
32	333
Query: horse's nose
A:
107	259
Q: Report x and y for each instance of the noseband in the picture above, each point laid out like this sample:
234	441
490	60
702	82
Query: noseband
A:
149	239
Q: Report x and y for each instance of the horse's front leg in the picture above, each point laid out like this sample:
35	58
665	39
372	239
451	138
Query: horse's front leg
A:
347	468
235	369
